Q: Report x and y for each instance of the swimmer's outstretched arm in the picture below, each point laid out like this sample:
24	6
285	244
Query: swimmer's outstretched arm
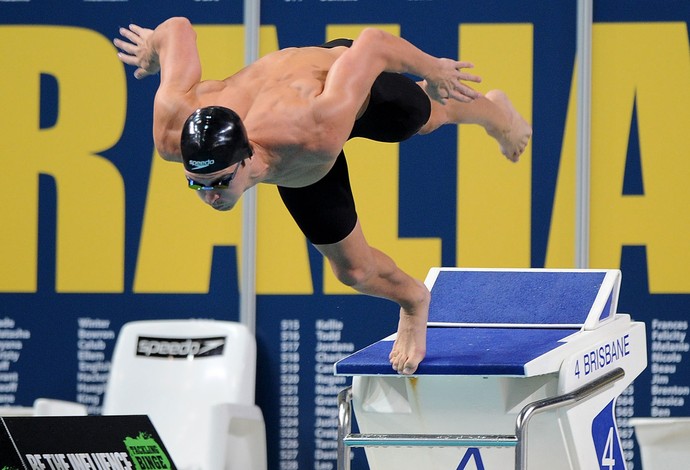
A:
170	49
374	51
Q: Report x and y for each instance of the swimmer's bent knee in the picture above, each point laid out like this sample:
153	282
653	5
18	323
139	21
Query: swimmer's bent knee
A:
352	276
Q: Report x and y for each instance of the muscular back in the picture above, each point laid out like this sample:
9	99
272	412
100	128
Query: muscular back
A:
277	98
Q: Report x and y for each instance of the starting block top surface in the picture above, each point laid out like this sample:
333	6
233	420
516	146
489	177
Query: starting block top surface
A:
507	322
463	351
522	297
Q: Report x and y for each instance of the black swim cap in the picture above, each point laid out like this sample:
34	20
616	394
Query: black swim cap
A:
213	138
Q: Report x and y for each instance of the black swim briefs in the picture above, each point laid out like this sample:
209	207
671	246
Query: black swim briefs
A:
397	109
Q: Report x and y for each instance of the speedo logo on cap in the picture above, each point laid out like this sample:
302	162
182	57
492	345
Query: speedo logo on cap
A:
201	164
180	348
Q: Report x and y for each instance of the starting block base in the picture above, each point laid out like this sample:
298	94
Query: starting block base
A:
480	383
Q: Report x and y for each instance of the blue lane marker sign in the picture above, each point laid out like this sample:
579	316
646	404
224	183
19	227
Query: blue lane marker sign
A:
606	442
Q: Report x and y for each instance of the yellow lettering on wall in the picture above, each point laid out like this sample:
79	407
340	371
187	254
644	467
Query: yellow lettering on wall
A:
494	195
374	170
180	231
661	85
90	190
658	219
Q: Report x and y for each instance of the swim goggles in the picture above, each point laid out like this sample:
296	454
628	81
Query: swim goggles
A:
222	183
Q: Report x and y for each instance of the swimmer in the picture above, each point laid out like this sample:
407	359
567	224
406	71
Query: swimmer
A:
284	120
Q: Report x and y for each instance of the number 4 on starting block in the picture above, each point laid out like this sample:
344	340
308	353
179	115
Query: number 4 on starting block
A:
606	442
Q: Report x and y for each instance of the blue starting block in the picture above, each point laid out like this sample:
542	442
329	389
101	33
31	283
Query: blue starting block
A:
505	348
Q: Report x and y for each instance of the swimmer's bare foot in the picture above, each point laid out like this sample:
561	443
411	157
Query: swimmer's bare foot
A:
514	136
409	347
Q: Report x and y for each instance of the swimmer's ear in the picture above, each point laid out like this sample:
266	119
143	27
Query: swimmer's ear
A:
251	153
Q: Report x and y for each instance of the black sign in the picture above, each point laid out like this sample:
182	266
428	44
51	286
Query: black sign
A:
81	442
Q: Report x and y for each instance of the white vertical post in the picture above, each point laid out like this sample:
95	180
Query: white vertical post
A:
584	101
248	281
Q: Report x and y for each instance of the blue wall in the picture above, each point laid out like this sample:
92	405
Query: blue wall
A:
90	192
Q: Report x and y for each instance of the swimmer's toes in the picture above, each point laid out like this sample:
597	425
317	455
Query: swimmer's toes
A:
401	364
409	368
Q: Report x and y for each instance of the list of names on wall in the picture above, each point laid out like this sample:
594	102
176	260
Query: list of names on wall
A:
668	349
289	394
329	350
12	340
94	337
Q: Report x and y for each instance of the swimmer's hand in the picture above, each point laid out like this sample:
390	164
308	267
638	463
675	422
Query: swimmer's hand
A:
446	82
138	51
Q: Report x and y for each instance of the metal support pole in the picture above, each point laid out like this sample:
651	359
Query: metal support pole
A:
528	412
248	281
584	101
344	427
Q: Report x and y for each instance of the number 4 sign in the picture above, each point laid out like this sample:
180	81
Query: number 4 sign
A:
606	442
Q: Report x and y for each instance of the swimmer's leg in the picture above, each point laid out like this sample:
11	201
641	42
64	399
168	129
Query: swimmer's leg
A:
371	272
493	111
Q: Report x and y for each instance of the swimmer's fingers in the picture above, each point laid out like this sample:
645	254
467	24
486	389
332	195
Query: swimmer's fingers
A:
139	31
464	93
444	93
142	73
132	59
128	51
130	35
468	77
447	82
454	91
136	52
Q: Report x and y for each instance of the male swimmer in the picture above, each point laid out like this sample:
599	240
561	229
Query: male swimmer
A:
284	120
